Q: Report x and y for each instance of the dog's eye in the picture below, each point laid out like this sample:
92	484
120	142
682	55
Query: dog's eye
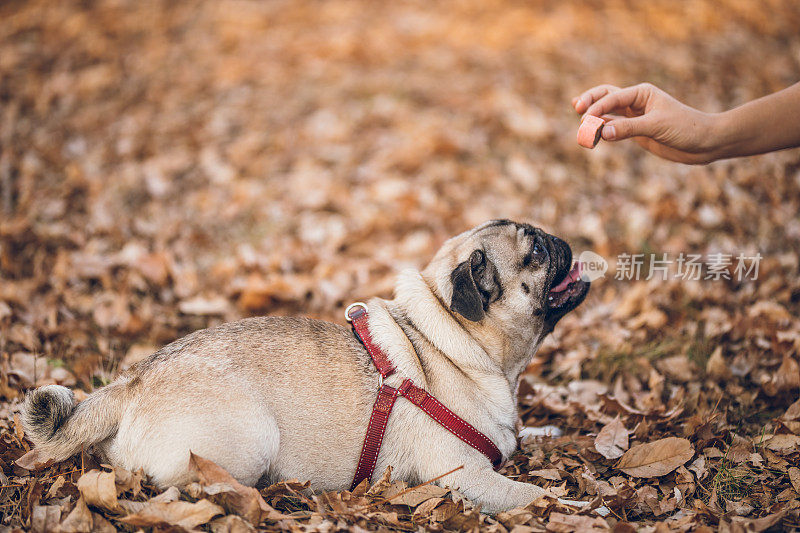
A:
525	288
536	255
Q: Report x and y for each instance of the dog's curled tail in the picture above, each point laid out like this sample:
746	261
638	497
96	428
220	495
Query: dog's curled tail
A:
60	429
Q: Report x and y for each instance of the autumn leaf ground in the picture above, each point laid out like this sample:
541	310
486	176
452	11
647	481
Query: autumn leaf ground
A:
168	166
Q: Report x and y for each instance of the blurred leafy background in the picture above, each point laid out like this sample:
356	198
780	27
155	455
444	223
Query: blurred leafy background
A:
165	166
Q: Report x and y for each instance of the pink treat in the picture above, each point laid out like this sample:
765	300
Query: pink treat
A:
590	130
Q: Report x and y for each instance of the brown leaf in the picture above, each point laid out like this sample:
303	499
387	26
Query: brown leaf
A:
446	510
33	460
783	443
231	524
793	412
136	353
225	490
98	489
684	481
57	484
426	508
79	520
785	378
170	495
657	458
678	367
417	495
612	441
563	523
380	486
101	525
128	481
757	524
794	477
647	497
717	367
514	517
546	473
200	305
183	514
45	518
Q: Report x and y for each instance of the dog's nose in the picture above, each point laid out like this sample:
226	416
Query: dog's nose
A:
562	253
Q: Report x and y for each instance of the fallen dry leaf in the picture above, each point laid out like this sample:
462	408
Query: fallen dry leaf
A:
794	478
783	443
417	495
33	460
182	514
230	524
98	488
563	523
756	525
655	459
514	517
717	367
79	520
204	306
612	441
45	518
426	507
546	473
221	487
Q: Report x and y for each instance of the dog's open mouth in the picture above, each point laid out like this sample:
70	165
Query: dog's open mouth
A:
565	295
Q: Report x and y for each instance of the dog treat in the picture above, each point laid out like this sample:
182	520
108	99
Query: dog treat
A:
590	130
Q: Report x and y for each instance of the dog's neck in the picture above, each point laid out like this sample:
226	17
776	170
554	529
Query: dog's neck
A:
427	344
434	320
471	354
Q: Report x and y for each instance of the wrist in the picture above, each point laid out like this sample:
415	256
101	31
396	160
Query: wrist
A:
715	135
725	134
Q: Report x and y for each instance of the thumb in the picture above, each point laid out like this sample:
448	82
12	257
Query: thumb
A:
623	128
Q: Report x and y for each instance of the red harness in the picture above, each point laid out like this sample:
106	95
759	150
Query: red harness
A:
356	314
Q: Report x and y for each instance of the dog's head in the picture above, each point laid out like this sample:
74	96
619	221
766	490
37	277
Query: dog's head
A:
507	280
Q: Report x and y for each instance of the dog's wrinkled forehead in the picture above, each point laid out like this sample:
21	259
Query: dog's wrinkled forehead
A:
506	226
501	235
504	240
500	227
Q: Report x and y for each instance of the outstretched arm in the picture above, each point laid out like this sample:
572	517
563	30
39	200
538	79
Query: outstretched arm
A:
675	131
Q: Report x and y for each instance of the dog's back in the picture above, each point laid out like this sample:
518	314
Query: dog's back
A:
226	393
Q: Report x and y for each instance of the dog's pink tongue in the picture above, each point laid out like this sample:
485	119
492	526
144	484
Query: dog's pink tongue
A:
572	277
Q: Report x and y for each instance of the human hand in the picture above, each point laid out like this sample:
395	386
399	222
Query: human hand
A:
655	120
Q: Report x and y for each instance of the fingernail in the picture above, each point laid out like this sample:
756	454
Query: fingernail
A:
609	133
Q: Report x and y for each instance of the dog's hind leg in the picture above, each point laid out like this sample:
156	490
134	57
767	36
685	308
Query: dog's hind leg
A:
239	434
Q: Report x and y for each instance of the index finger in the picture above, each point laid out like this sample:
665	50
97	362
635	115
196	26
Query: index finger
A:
582	102
619	100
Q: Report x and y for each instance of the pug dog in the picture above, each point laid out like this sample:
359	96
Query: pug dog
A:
274	398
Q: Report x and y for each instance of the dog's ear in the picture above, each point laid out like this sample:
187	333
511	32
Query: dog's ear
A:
475	286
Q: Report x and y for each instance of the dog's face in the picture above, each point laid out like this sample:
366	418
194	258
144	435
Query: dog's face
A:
507	283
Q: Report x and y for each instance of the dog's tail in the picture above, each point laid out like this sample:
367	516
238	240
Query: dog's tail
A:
60	429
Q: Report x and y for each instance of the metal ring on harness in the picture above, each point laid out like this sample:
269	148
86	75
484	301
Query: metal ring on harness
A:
352	306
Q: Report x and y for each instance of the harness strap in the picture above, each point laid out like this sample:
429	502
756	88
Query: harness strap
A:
451	421
357	315
375	431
